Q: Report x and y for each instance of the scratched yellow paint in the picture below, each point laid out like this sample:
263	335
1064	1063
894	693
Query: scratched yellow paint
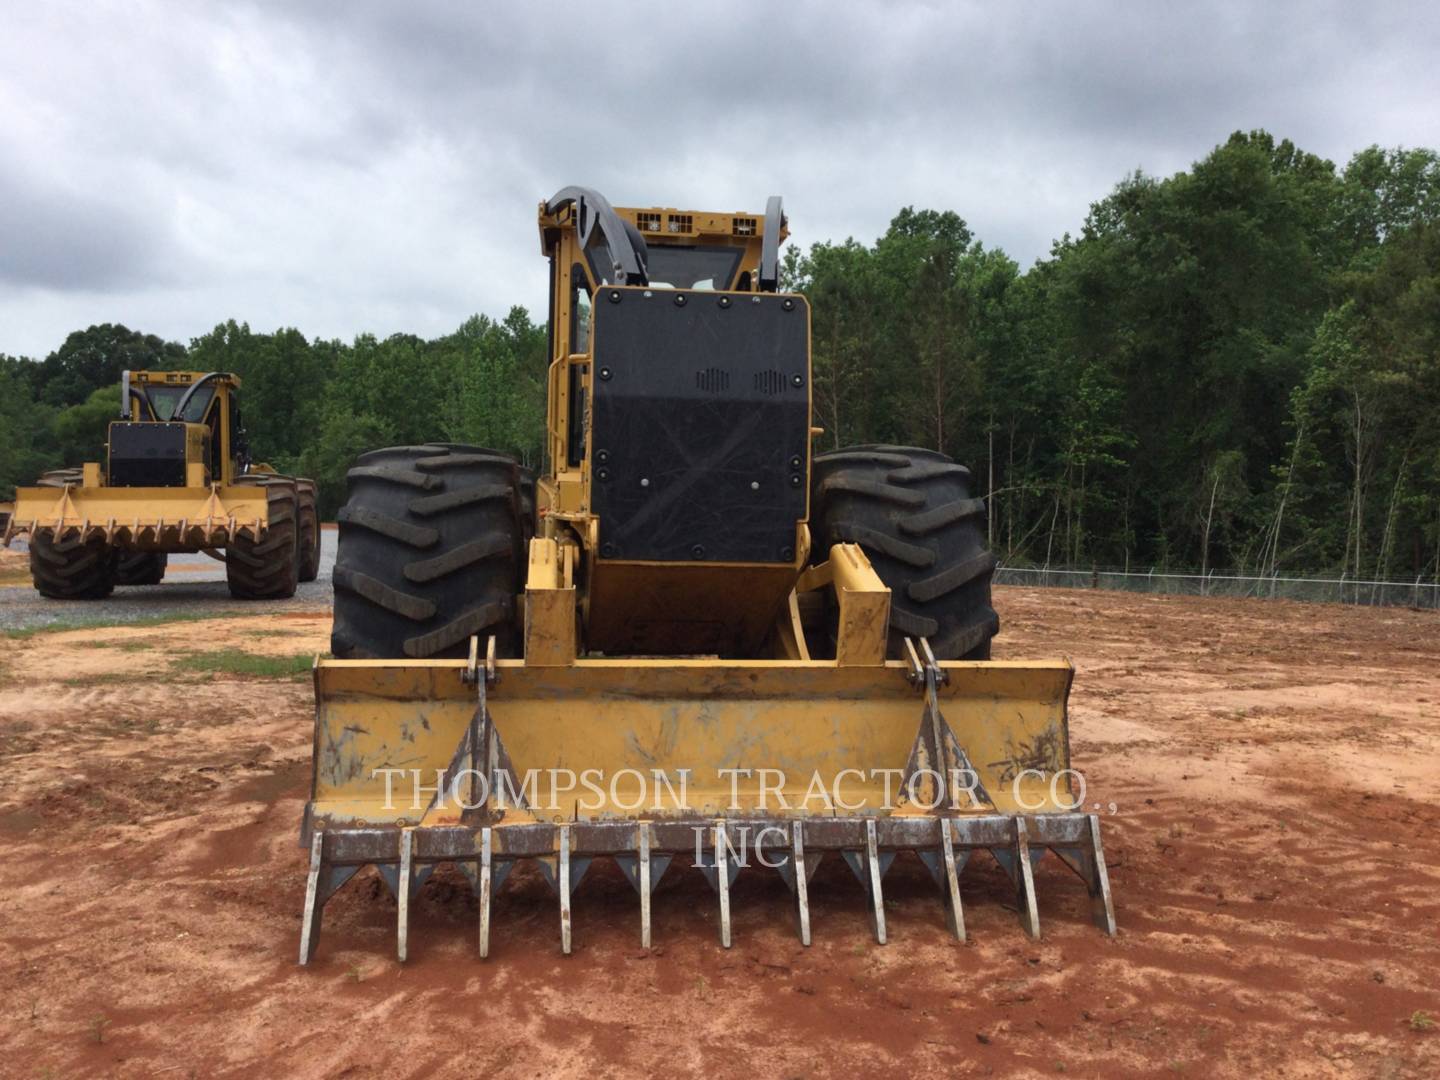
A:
623	719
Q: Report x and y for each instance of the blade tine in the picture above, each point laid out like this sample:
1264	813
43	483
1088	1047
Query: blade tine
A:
644	869
485	887
314	904
564	887
802	895
1102	910
877	900
722	877
952	882
1025	881
402	894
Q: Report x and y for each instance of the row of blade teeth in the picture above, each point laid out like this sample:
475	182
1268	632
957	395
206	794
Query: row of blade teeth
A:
644	868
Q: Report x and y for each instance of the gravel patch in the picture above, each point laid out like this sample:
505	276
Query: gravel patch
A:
193	584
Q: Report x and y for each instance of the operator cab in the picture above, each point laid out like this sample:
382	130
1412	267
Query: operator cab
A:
172	419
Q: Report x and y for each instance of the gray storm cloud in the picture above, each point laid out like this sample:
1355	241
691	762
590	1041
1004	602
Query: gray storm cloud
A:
67	234
375	166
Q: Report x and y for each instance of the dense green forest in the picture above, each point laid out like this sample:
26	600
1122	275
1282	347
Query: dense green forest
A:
1237	366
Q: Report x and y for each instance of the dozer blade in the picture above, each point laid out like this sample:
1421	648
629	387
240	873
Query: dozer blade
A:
720	764
141	517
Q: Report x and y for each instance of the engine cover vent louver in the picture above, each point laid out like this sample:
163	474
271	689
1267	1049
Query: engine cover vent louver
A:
769	382
712	379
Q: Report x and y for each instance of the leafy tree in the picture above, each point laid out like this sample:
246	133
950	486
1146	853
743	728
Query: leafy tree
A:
283	384
79	432
24	431
95	357
342	437
497	370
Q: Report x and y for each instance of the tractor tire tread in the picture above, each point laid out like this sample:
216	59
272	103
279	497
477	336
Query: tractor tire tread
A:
140	567
394	475
387	525
71	569
268	567
416	575
912	511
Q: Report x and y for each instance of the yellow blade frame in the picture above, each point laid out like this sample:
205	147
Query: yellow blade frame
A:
732	738
144	518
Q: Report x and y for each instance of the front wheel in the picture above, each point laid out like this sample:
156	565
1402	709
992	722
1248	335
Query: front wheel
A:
71	568
912	513
430	552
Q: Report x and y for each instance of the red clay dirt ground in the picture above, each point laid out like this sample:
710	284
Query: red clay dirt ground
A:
1273	855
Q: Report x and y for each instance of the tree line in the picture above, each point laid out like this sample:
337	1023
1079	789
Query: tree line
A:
1234	366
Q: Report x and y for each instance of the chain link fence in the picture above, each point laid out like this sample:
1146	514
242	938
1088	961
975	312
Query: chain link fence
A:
1320	590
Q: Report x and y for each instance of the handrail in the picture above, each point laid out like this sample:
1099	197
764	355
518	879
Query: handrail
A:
179	413
593	210
770	249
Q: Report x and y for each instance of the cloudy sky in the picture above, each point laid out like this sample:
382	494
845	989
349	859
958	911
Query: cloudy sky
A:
375	166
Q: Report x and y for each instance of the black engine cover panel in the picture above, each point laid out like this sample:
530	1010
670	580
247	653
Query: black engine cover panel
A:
700	425
147	455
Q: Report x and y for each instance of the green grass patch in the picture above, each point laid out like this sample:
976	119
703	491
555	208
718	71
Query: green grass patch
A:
132	645
145	620
106	678
239	662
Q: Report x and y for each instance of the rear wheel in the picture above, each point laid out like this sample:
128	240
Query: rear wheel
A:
429	553
140	567
70	568
268	568
309	532
912	513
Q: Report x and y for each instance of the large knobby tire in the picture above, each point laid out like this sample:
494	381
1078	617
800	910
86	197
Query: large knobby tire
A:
270	568
529	523
309	531
70	568
140	567
67	569
526	492
911	512
430	552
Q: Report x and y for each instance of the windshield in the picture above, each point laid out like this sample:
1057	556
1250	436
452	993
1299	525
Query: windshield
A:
672	266
163	400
